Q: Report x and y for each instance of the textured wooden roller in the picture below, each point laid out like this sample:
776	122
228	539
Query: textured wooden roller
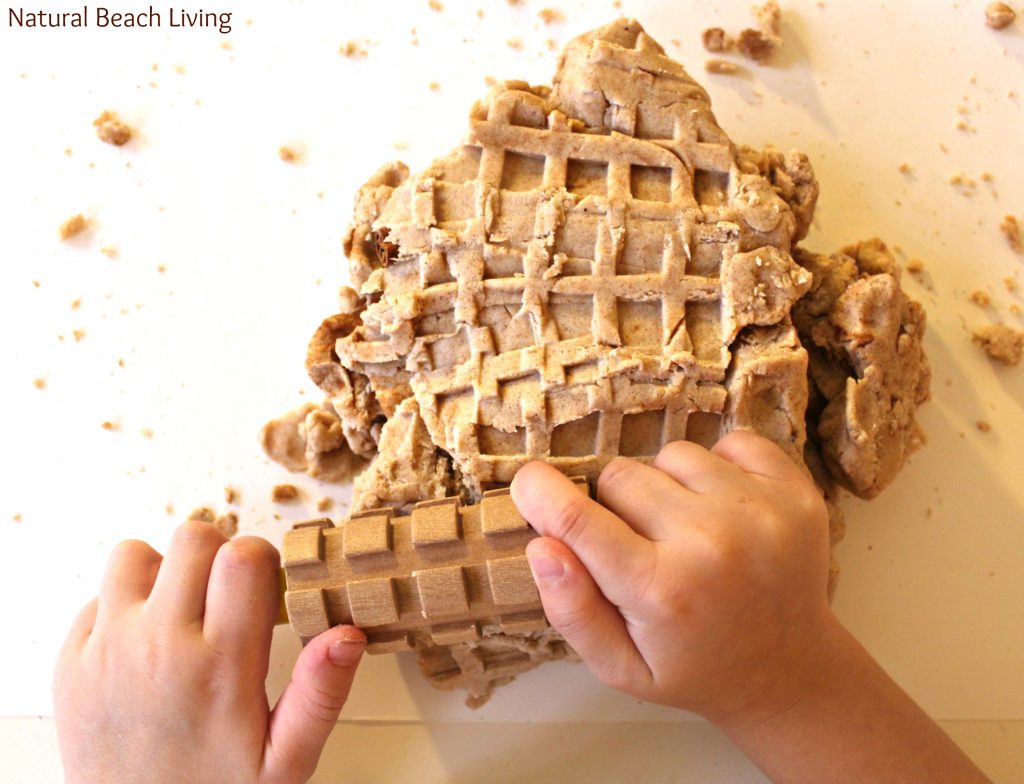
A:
439	574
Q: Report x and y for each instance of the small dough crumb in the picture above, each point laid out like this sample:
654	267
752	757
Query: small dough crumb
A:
16	517
434	87
230	494
227	524
915	266
72	227
352	50
203	514
1011	284
514	43
111	426
758	44
111	130
984	426
324	504
434	5
717	66
551	16
169	508
999	15
288	154
1010	228
715	39
905	168
282	493
1002	343
981	298
39	383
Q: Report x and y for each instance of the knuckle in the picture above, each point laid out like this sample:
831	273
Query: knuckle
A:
569	520
322	705
573	622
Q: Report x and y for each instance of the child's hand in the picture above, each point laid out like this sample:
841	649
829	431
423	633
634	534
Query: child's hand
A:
162	677
698	582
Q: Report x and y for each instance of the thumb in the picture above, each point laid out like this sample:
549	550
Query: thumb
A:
590	623
309	706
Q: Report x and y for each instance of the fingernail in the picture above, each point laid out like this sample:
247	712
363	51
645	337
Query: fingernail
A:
545	567
346	650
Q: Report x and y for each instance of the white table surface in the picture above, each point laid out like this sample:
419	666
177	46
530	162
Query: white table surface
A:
933	580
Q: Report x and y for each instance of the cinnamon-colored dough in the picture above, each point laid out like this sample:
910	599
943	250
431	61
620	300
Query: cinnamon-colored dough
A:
594	271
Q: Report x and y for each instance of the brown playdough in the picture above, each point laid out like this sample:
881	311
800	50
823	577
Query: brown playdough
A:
596	270
999	15
111	130
1004	344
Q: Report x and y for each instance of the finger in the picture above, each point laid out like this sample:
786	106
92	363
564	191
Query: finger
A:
242	600
757	455
310	704
648	499
81	626
613	553
129	578
180	590
575	606
695	468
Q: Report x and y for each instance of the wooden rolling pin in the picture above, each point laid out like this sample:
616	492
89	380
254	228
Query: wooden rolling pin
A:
440	574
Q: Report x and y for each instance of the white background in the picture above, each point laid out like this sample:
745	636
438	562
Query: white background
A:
213	346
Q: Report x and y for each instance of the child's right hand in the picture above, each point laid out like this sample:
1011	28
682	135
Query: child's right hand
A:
698	582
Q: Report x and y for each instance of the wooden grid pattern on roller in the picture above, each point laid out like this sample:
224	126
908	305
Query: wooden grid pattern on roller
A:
439	574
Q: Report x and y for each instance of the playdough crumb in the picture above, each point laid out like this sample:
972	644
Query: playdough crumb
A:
551	16
984	426
1002	343
230	494
288	154
281	493
352	50
758	44
905	168
227	524
915	266
981	298
717	66
435	6
999	15
1010	228
715	39
72	227
39	383
111	426
111	130
203	514
169	508
324	504
16	517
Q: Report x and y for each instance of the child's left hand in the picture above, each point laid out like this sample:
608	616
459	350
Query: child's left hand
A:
162	676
